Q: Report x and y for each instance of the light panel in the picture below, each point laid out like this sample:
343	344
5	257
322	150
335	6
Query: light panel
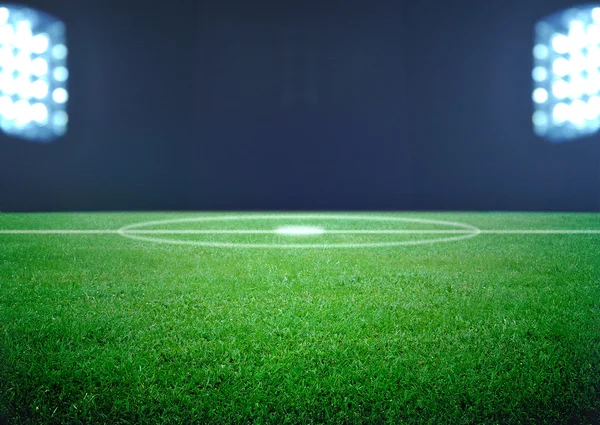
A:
33	74
566	74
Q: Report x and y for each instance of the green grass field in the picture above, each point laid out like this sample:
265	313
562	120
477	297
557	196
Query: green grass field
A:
499	326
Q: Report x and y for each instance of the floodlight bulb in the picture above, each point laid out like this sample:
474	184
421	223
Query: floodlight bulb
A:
540	73
39	113
561	89
561	67
7	33
561	113
60	95
39	89
40	43
560	44
61	74
540	51
60	119
39	67
4	14
540	95
60	51
540	119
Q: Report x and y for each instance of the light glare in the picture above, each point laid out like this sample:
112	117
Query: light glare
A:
300	230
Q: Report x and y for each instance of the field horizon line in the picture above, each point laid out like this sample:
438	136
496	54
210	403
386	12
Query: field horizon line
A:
275	231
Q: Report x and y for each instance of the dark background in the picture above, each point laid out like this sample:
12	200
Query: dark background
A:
364	105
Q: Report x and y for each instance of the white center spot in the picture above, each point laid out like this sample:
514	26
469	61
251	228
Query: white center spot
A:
300	230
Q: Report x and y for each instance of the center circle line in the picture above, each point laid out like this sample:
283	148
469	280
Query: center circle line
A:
464	231
261	232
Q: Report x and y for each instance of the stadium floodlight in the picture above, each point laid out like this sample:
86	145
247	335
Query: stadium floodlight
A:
33	74
566	74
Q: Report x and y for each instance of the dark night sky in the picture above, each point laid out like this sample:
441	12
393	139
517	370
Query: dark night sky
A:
299	105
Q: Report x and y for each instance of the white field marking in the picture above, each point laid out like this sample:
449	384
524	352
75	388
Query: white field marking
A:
461	231
293	232
58	232
282	231
266	232
541	232
362	232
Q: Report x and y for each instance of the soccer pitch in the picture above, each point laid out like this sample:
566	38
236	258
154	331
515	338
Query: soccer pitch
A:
416	318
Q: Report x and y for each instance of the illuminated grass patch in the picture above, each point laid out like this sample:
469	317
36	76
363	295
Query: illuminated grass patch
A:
498	328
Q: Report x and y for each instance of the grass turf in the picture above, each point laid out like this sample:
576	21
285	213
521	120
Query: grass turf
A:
500	328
